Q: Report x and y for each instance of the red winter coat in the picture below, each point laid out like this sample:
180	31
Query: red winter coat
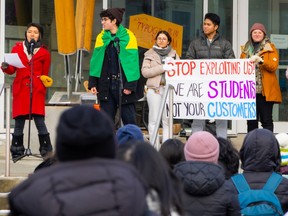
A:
21	84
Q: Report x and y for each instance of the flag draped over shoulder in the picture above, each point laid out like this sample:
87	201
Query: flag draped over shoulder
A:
128	53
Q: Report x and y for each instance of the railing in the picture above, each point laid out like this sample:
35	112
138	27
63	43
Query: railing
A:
168	90
7	89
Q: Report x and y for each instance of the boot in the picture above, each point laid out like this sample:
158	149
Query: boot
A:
45	145
17	149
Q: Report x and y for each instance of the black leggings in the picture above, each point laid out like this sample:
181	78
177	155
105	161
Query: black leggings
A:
39	122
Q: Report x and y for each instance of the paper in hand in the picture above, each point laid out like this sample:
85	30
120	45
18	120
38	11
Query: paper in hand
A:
13	59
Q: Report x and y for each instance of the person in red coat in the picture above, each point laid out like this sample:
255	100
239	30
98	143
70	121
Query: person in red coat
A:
34	56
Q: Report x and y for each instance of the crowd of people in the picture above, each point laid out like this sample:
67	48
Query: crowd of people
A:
101	168
97	170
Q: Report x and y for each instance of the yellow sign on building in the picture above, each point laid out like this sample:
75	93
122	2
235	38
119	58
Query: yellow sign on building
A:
145	28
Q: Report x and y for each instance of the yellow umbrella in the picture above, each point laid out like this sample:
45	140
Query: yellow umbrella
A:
84	25
66	36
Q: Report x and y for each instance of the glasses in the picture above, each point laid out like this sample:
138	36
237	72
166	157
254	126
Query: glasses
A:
163	39
104	19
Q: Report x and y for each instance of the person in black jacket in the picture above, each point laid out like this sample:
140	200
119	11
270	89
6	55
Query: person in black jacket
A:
206	190
210	46
87	179
114	67
260	156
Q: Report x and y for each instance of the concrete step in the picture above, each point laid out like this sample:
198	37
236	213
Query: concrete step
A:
6	185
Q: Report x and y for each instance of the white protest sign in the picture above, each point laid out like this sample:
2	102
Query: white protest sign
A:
213	89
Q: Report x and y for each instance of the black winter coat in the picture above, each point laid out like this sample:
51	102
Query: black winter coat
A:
220	48
97	187
207	193
260	156
111	68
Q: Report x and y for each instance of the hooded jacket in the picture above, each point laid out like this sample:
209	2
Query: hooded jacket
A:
206	190
260	156
270	85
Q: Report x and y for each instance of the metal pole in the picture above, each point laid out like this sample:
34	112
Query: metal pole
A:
7	159
162	106
170	112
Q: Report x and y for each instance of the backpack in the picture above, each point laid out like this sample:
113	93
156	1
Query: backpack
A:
259	201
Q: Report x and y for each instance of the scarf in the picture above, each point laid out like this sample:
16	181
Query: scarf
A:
162	52
252	49
28	45
128	53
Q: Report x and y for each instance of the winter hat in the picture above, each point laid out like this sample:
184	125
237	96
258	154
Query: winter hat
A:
258	26
129	132
202	146
84	132
117	13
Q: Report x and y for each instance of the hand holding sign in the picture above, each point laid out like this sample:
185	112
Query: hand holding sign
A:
169	59
256	59
166	66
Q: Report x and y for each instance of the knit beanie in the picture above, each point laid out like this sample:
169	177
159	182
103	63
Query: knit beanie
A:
129	132
258	26
84	132
117	13
202	146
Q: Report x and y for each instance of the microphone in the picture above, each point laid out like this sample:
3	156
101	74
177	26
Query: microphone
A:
116	40
32	44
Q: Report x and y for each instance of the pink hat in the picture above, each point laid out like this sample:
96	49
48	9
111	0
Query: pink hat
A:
202	146
258	26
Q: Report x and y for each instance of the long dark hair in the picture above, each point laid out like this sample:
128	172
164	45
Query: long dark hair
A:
228	155
155	172
173	151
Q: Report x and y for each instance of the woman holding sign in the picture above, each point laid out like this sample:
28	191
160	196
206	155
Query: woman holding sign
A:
263	53
154	67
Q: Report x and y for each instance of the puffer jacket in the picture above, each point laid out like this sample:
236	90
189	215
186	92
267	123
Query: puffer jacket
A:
98	187
152	67
270	84
219	48
207	193
260	156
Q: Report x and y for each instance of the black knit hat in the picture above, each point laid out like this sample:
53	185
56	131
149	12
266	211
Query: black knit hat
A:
117	13
84	132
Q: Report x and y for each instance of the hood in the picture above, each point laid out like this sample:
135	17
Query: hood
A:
260	151
200	178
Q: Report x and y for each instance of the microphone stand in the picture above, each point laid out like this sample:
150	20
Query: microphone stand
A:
27	151
120	82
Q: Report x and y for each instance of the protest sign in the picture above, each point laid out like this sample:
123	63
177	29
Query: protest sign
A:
146	27
213	89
